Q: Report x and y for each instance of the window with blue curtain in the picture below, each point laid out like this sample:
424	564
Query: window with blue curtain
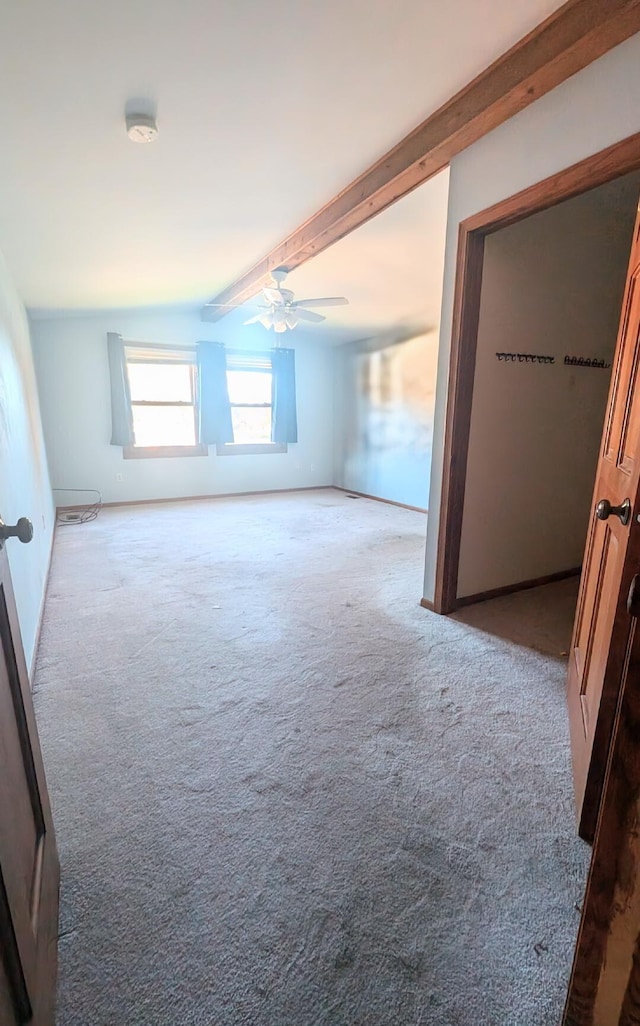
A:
184	398
261	389
154	407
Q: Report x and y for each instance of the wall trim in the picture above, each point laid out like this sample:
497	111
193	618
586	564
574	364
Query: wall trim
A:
427	604
610	163
509	589
378	498
43	603
200	498
234	495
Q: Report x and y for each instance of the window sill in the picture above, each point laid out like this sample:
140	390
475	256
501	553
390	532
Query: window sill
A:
146	452
250	449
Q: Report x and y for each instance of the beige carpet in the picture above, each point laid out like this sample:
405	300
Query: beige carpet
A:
286	795
538	618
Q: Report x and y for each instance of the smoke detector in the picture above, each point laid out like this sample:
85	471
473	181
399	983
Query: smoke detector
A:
141	128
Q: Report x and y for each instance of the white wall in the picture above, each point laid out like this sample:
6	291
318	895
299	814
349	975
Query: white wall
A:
24	478
73	375
592	110
385	397
553	285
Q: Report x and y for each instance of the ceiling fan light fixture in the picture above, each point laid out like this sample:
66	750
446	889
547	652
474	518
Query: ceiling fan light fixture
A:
283	312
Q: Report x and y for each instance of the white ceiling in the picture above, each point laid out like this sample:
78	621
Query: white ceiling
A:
390	270
265	111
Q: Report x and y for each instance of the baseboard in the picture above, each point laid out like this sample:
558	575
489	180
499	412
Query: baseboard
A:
427	604
237	495
202	498
509	589
377	498
43	602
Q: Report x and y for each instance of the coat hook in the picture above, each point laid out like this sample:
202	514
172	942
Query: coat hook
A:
526	357
586	361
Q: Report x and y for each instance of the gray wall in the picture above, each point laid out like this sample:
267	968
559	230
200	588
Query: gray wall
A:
551	284
385	395
71	363
24	478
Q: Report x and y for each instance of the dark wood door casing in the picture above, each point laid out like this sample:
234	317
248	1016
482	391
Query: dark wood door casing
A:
29	869
613	162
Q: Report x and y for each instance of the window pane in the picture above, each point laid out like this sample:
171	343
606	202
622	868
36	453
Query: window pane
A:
251	424
164	425
160	382
249	386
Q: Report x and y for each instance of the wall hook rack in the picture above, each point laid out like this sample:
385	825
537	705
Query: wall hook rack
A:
585	361
525	358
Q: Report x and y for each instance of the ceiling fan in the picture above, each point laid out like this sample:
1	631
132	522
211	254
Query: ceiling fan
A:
281	312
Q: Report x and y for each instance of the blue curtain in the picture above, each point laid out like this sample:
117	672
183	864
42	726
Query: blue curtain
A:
213	399
284	426
121	415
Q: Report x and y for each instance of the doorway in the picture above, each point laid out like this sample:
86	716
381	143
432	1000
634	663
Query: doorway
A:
549	310
552	288
538	298
550	302
613	168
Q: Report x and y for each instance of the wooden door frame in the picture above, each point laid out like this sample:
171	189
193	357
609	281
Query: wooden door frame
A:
605	977
602	167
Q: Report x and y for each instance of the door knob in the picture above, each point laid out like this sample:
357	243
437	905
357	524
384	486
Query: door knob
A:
604	510
22	530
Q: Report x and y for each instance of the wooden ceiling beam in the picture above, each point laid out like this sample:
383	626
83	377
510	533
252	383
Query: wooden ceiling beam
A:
571	38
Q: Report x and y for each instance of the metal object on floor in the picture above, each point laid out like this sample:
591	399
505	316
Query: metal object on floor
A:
82	511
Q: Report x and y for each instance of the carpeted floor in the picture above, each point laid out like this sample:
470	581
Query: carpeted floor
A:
285	794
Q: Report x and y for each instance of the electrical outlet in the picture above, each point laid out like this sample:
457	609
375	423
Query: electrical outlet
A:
118	477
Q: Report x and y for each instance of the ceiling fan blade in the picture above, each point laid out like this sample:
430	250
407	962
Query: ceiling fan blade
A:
254	320
308	315
326	301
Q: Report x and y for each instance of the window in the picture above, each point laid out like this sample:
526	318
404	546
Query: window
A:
163	386
249	380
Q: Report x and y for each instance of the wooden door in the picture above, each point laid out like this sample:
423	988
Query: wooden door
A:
29	872
612	557
605	980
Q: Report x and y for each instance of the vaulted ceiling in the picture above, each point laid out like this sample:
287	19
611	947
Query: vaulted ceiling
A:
390	269
265	110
